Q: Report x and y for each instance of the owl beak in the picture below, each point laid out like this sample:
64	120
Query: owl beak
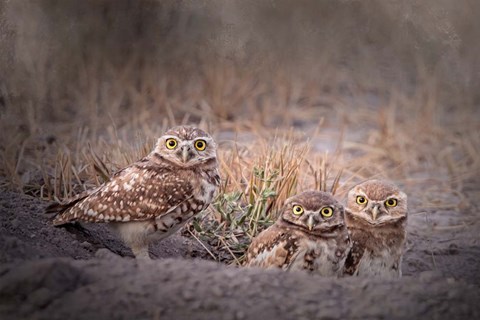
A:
185	154
310	223
375	212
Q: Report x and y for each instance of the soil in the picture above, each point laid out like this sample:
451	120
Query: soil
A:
87	273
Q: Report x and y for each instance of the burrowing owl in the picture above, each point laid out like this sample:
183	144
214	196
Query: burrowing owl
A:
376	216
310	235
155	196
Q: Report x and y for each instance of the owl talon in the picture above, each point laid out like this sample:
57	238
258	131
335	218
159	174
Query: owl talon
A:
141	253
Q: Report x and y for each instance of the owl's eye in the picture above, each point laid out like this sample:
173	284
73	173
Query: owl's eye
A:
361	200
391	202
171	143
200	145
297	210
327	212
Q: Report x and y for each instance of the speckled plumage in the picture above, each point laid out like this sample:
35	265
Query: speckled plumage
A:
309	242
377	230
153	197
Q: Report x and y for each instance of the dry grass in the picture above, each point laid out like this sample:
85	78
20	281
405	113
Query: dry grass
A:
257	178
285	121
261	167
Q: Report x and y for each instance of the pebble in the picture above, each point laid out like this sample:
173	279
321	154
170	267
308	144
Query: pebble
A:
453	249
86	245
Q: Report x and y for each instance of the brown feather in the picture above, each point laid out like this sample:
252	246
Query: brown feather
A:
155	196
378	240
290	244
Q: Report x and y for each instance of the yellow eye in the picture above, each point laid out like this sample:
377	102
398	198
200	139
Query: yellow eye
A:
391	202
171	143
361	200
297	210
327	212
200	145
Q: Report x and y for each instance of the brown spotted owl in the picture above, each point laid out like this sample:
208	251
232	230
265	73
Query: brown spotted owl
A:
155	196
376	216
310	234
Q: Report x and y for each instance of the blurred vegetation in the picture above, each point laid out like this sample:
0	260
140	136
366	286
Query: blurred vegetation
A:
67	56
299	94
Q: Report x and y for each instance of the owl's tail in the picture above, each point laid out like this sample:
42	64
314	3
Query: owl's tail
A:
55	210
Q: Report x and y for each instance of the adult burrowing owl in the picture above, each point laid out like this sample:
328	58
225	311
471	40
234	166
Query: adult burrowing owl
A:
310	234
155	196
376	216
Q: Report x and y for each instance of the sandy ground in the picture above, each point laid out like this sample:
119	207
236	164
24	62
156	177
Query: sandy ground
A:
58	273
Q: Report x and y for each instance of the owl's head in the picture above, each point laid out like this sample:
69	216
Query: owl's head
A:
315	212
377	202
187	146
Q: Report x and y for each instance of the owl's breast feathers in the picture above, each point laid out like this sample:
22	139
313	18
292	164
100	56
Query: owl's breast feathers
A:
141	191
374	246
289	249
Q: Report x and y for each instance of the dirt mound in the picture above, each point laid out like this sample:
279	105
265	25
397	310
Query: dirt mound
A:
77	273
27	234
179	289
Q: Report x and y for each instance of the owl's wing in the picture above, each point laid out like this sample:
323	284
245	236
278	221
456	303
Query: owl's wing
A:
272	248
136	193
353	258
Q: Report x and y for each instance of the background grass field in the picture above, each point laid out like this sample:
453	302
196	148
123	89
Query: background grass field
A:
299	95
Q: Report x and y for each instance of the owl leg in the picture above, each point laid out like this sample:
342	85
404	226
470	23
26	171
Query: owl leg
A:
141	251
136	236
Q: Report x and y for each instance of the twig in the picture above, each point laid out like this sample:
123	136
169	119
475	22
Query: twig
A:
230	251
199	241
